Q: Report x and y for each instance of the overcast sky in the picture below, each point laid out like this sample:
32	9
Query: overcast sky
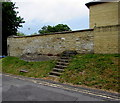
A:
38	13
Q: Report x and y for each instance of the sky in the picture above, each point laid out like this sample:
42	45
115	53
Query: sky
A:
39	13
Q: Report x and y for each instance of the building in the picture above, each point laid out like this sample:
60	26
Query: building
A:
104	13
105	19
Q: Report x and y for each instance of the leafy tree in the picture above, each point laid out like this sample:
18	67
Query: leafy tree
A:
61	27
51	29
34	34
44	30
20	34
10	23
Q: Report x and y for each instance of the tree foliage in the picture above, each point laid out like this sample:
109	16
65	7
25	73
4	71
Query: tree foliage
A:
20	34
10	23
51	29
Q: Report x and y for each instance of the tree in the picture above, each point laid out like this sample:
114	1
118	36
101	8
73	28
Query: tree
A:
34	33
10	23
51	29
61	27
20	34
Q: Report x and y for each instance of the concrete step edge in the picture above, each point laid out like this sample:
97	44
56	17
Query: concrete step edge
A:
61	66
55	73
58	69
62	62
53	76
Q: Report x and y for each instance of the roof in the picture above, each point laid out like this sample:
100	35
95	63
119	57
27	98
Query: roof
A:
93	3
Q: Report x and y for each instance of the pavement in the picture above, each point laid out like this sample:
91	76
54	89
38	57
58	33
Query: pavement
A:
17	88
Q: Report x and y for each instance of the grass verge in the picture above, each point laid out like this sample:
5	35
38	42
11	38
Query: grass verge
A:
94	70
13	65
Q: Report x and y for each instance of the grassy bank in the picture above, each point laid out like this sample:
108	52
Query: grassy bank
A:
40	69
94	70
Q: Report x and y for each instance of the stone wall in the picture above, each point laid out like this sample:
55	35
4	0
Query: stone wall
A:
119	12
106	39
103	40
80	41
105	14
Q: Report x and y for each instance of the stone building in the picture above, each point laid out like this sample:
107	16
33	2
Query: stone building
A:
104	13
102	37
105	19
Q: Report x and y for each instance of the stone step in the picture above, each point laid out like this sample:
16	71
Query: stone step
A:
62	63
63	60
55	73
61	66
58	70
65	57
68	55
54	76
69	52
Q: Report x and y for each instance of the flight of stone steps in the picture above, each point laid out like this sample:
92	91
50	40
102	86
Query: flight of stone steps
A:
62	63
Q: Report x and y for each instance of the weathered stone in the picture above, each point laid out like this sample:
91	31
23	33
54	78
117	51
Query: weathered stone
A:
104	14
24	71
50	44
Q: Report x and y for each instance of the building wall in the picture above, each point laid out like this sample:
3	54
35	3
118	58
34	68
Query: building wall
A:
106	39
82	42
101	40
119	12
104	14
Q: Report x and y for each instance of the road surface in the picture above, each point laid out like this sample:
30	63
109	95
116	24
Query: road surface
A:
20	89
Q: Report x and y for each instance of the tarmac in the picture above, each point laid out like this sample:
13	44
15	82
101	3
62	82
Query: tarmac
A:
18	88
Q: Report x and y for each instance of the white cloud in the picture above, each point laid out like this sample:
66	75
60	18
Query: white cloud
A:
53	11
38	13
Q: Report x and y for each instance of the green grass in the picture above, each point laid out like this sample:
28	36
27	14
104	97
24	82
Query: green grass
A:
94	70
13	65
